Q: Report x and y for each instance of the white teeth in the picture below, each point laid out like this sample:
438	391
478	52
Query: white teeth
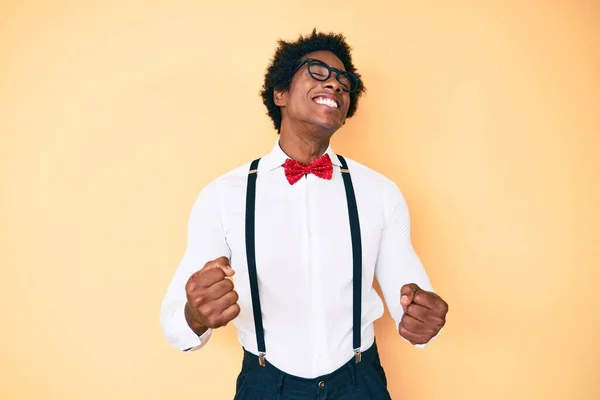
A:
326	101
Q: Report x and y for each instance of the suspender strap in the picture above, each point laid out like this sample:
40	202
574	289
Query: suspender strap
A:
251	258
356	258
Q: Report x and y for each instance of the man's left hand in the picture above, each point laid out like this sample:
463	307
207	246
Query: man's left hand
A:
424	314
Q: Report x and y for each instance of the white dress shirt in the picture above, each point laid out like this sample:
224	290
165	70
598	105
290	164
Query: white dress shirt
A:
303	259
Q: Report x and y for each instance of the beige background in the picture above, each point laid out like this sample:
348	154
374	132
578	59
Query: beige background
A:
113	116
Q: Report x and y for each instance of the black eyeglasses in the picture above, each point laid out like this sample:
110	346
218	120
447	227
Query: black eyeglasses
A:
320	71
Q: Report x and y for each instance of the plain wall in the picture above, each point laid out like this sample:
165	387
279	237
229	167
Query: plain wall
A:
114	115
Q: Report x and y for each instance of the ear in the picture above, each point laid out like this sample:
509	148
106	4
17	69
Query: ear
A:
279	97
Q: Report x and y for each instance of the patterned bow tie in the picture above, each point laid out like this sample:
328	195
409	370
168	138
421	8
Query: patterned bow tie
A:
321	167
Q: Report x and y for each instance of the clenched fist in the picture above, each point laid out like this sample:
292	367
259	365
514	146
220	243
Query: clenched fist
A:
211	300
424	314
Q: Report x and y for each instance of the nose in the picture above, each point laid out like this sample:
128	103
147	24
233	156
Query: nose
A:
333	83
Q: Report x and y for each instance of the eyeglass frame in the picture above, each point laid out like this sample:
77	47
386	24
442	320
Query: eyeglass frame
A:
330	69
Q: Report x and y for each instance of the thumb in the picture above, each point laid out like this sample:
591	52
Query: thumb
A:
222	263
407	294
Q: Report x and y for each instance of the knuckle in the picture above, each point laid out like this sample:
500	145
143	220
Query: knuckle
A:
407	335
403	323
236	310
402	330
214	321
226	301
440	304
195	275
441	325
207	310
222	259
445	307
196	303
210	324
190	286
219	274
432	318
421	296
222	320
200	299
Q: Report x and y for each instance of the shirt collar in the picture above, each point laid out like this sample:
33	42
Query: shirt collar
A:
277	157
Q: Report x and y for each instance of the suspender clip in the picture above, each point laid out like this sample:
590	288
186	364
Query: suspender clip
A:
357	355
261	358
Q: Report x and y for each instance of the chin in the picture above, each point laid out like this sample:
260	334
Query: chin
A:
328	125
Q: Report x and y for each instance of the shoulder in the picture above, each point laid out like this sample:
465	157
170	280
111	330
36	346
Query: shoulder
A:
375	182
233	177
232	180
367	175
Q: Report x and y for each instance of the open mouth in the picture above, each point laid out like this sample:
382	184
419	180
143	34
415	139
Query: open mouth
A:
326	101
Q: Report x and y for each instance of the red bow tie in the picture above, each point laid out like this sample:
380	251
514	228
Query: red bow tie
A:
321	167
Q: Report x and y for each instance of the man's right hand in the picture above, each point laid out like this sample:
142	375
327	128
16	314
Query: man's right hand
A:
211	300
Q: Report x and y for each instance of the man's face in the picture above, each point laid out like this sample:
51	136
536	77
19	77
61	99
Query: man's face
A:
310	101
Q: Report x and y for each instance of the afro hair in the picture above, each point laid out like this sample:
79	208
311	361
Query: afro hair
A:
286	59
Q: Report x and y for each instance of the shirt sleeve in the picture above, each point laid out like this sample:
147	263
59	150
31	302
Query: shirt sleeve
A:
205	242
397	262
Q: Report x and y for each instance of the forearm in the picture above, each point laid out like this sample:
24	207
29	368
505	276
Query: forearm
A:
397	262
405	268
205	241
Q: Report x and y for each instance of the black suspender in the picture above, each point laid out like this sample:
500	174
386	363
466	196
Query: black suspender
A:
356	256
356	259
251	258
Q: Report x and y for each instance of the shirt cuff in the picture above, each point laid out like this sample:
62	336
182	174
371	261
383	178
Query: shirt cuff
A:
183	337
202	340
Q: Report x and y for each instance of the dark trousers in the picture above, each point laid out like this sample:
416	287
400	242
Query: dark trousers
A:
363	381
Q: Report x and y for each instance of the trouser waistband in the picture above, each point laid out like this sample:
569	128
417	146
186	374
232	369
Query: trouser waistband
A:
368	357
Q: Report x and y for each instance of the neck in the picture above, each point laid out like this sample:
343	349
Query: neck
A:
304	146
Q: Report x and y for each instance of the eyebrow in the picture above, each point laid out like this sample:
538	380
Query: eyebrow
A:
329	65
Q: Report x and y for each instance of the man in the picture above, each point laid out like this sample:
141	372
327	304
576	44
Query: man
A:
286	247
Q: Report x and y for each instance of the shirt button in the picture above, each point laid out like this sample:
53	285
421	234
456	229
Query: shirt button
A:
321	384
